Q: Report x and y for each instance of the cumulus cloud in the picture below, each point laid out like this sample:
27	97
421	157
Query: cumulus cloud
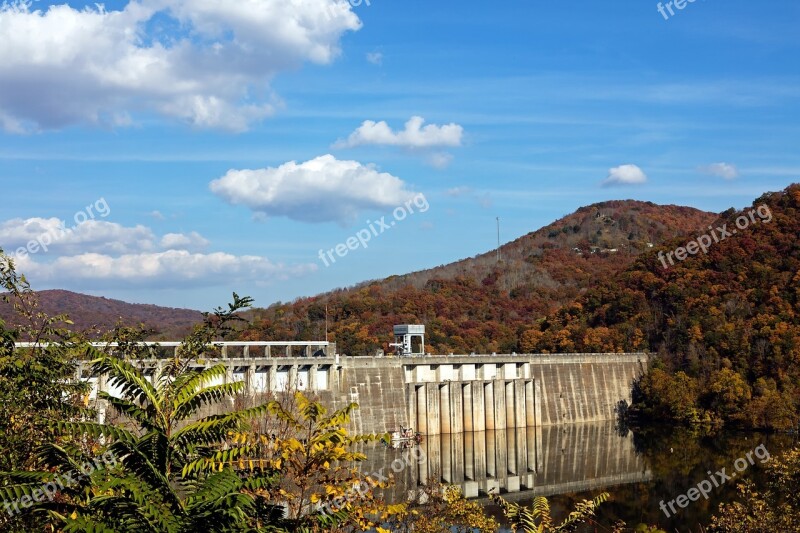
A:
93	235
180	241
172	268
102	254
625	175
415	135
207	63
721	170
323	189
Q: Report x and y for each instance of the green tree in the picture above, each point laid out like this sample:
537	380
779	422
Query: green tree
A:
38	385
174	469
729	395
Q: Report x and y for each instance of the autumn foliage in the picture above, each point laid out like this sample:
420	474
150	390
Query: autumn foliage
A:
726	325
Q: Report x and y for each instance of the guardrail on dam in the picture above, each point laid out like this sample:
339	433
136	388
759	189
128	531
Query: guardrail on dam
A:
433	394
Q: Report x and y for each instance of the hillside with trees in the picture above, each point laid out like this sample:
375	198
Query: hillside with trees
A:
480	304
725	325
95	316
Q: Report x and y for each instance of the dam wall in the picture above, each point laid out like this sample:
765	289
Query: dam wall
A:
488	393
433	394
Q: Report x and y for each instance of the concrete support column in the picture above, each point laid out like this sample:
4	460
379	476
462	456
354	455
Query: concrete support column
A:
499	407
520	419
272	378
224	352
469	456
432	409
466	402
511	451
488	390
312	378
522	450
537	403
249	378
422	409
102	383
267	351
457	457
478	406
491	454
245	352
480	454
530	415
501	450
530	437
510	404
445	410
411	401
456	408
293	376
447	458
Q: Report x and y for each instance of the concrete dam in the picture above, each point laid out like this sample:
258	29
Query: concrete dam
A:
433	394
523	424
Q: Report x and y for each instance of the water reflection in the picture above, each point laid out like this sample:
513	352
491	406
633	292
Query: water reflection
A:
522	462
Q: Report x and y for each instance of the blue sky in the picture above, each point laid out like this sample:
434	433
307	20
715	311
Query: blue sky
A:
185	121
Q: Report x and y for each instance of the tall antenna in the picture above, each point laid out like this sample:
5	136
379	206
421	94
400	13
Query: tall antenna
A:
498	239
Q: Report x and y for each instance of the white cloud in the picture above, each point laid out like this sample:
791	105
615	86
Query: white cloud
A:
625	175
208	63
93	236
721	170
415	135
376	58
172	268
180	241
320	190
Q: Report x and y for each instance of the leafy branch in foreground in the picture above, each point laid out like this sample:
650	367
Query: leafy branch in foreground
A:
538	519
38	385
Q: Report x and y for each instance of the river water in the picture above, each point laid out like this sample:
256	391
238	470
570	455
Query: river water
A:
639	469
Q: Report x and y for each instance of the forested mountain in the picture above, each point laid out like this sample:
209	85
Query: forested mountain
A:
96	316
726	324
480	305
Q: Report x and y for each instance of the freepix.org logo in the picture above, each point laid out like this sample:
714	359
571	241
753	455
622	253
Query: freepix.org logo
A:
43	242
668	9
374	229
